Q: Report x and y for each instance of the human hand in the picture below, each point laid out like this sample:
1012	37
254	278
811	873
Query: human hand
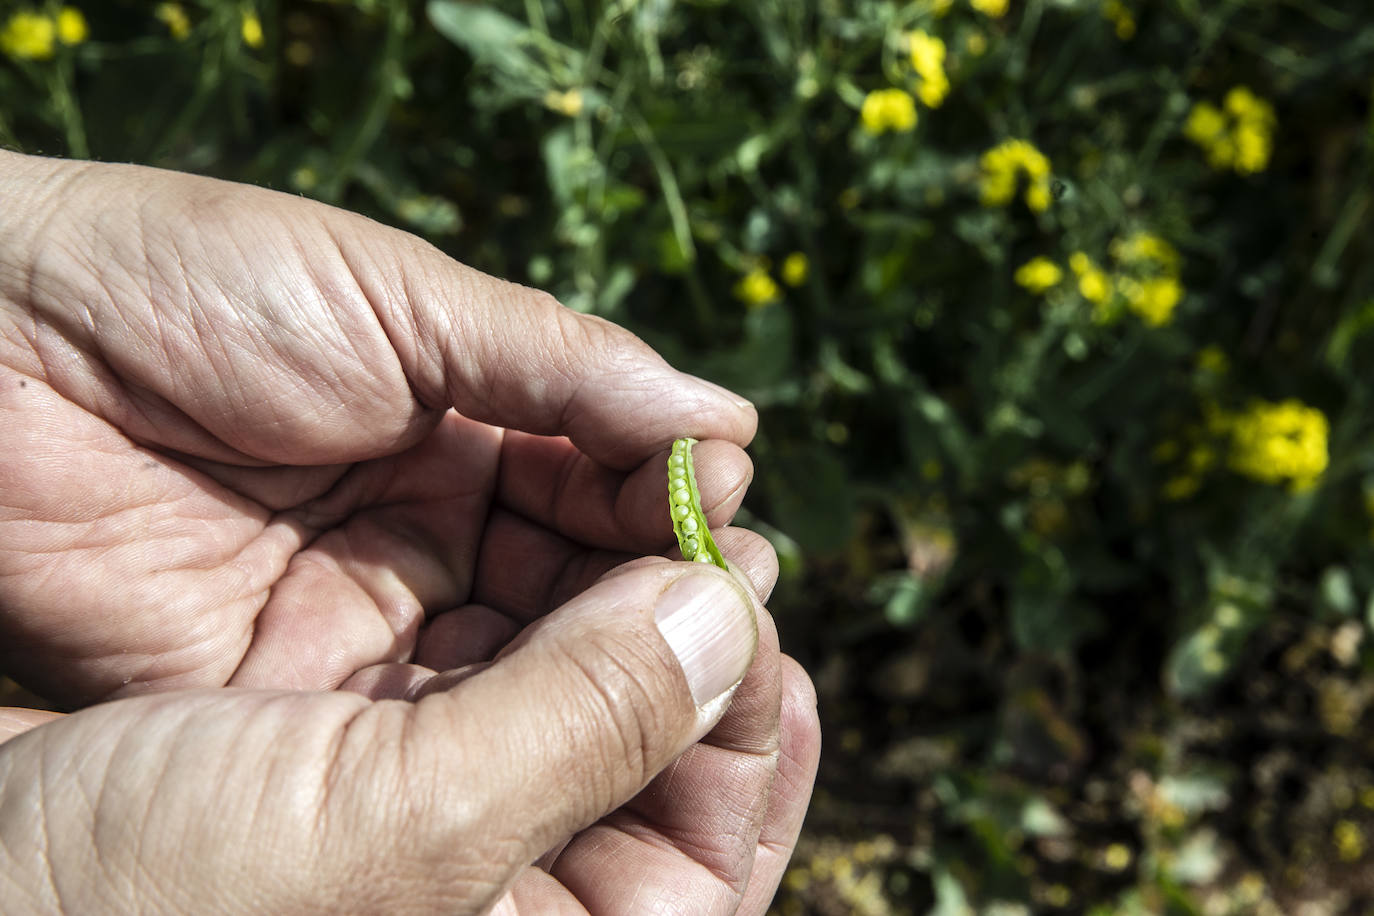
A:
228	801
204	485
227	457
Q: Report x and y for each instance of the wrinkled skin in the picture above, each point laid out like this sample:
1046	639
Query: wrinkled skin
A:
257	443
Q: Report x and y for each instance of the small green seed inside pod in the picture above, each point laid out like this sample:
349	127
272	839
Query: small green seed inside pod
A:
688	520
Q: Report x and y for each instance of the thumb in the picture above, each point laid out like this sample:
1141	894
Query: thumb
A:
574	720
324	802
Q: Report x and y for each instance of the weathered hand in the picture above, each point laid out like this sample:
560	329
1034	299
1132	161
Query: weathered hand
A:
255	801
226	457
229	458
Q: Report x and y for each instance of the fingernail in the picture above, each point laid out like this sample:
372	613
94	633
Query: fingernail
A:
709	624
740	402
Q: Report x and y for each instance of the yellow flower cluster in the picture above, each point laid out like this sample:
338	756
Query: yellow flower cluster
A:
251	30
757	289
1146	279
173	15
1093	282
1199	459
569	104
1004	163
928	60
888	109
853	873
1038	275
1150	284
28	35
994	9
1120	17
71	26
1213	360
1348	839
1238	136
1283	442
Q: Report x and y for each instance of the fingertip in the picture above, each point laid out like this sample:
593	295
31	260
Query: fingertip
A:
739	412
751	558
799	691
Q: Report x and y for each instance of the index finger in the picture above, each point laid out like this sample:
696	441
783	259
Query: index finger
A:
514	357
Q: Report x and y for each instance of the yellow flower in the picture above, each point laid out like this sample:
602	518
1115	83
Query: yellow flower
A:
1240	137
28	36
71	26
1004	163
795	268
1150	282
1095	286
304	178
173	15
756	289
1205	124
1348	839
1093	282
1280	443
1116	13
1038	196
1244	105
928	60
1146	246
976	43
1181	487
1038	275
994	9
1058	895
888	109
1116	857
1154	299
1252	147
565	103
251	30
1213	359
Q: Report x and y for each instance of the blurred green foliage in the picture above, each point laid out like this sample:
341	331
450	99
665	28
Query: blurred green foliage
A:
1061	342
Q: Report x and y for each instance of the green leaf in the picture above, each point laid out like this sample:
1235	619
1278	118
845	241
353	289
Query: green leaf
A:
502	43
1356	324
905	598
1338	592
1199	661
760	368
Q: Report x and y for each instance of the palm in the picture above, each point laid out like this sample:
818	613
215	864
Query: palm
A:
233	463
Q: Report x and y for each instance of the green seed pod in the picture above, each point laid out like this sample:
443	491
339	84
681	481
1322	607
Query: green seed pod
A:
684	505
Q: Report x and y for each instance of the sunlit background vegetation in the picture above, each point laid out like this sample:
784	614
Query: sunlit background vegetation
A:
1060	318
